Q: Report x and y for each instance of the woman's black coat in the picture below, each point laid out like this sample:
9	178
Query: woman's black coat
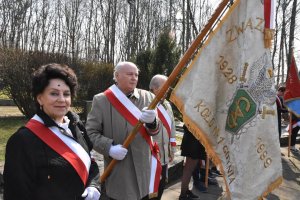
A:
34	171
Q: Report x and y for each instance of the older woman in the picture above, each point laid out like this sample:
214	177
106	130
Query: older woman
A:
50	158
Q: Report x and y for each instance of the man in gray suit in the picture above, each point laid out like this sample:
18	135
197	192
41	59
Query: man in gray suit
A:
113	116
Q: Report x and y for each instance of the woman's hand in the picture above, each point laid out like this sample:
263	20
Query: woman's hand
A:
91	193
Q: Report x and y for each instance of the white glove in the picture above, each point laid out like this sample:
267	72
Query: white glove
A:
117	152
148	116
91	193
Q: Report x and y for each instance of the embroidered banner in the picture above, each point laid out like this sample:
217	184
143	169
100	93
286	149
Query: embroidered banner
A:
227	97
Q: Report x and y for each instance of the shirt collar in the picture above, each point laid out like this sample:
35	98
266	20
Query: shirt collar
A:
135	93
50	122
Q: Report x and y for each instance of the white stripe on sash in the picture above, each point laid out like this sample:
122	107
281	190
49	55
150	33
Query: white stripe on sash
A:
125	101
165	115
153	173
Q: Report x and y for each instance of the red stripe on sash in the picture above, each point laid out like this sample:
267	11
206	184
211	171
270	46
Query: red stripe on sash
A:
47	136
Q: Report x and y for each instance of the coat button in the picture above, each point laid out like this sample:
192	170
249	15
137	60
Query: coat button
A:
49	177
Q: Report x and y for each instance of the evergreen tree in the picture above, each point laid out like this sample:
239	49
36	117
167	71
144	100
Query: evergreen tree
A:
166	54
143	61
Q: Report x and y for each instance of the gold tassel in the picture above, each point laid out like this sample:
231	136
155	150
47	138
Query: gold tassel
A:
268	37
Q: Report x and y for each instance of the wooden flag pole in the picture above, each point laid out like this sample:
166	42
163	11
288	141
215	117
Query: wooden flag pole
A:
290	134
181	64
206	170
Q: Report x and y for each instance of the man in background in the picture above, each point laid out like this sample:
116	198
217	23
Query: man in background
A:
280	107
166	137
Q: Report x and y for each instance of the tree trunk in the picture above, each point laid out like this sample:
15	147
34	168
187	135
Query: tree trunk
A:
292	33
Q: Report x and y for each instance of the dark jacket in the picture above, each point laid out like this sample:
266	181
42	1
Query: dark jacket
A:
34	171
295	119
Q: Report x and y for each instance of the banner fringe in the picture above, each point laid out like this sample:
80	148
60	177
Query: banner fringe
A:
198	133
272	186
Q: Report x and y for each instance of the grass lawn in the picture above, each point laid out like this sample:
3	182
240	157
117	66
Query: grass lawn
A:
10	111
3	96
7	127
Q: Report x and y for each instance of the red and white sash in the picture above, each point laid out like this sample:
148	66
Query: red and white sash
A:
166	121
68	148
132	114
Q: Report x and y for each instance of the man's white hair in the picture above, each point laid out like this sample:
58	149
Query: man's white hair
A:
156	81
120	65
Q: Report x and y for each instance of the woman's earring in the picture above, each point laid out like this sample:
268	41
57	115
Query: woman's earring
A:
41	107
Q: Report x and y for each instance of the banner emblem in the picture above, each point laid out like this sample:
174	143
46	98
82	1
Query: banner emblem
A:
241	111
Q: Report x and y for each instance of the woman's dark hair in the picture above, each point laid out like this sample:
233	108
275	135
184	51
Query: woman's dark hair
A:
42	76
